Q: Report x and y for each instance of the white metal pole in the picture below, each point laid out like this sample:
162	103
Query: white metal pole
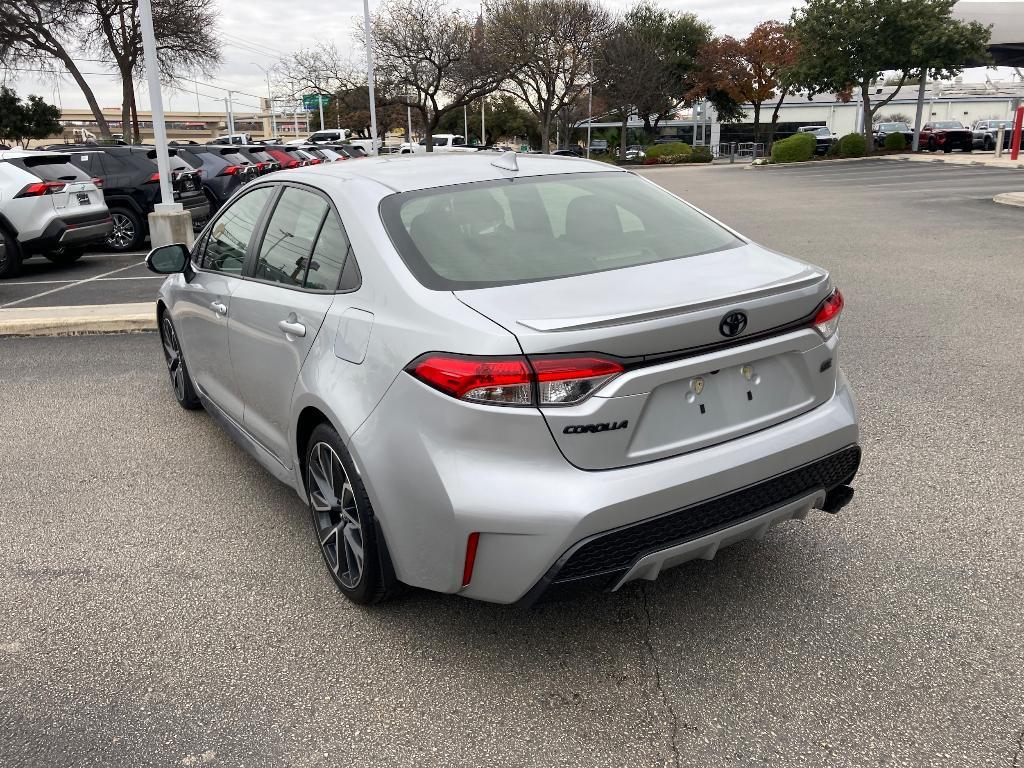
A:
465	123
483	121
231	118
156	104
590	115
295	119
408	117
320	102
369	75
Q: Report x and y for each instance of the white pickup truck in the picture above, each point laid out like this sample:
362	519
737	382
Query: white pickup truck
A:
443	142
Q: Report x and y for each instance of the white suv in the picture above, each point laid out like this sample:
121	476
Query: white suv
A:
48	207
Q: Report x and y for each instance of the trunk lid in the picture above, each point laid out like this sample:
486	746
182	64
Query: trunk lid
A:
686	384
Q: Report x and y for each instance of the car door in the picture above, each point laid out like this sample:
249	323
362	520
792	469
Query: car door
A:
202	309
277	311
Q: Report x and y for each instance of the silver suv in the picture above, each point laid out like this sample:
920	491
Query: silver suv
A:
510	377
48	207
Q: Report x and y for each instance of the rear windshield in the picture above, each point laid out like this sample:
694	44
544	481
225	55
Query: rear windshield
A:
522	230
50	168
356	151
895	127
948	124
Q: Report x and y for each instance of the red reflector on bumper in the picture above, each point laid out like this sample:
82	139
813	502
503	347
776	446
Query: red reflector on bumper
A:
471	544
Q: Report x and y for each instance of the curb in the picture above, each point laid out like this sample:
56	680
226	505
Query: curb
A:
820	162
1010	198
71	321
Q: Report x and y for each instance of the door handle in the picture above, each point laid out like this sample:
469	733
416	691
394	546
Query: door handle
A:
293	329
219	307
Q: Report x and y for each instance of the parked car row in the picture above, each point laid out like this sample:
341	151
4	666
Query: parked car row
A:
57	201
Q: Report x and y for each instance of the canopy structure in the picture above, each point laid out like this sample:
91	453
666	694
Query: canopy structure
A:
1006	20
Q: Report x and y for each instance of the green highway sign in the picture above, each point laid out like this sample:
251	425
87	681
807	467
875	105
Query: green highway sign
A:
312	101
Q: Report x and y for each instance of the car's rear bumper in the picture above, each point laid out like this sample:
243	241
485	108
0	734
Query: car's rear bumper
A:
436	473
72	230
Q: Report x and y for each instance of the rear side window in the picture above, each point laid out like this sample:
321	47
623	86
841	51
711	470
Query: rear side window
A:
231	232
53	168
329	257
541	228
284	255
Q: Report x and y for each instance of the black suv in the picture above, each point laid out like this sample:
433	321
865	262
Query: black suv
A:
131	187
224	169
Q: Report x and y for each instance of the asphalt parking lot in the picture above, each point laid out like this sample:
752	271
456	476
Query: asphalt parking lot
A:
96	278
163	601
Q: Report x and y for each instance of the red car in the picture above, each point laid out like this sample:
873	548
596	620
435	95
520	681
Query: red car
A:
946	135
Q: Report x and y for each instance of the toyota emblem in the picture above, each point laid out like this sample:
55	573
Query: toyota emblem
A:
733	324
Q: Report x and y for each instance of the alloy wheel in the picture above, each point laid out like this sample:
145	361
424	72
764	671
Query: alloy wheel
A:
172	353
123	233
335	515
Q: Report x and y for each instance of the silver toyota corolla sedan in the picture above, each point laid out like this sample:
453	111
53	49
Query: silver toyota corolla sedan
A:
509	377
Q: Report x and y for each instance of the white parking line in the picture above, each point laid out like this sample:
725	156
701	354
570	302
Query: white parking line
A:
69	285
100	279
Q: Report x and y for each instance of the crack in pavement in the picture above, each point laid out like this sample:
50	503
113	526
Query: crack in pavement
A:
674	733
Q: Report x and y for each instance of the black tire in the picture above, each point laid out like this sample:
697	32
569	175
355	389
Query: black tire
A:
332	514
177	370
65	255
969	148
128	231
931	145
947	149
10	256
988	144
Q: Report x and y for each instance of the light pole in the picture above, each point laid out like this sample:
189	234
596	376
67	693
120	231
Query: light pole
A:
320	102
369	75
169	222
270	98
230	107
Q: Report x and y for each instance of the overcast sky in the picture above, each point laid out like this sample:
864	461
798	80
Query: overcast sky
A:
259	32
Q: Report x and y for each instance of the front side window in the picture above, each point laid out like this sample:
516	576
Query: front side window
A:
231	232
541	228
291	234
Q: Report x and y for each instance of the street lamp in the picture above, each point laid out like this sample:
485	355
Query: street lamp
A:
270	98
169	222
369	75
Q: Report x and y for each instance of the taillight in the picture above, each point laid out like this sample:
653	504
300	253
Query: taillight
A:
230	170
41	188
154	177
562	380
98	183
505	381
570	380
827	319
315	161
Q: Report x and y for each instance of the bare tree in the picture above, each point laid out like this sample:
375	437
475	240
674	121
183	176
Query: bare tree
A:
556	41
186	40
434	59
44	33
319	69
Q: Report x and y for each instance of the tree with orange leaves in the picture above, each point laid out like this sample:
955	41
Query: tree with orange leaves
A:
753	70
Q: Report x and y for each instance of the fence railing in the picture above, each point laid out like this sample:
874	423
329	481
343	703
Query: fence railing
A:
744	151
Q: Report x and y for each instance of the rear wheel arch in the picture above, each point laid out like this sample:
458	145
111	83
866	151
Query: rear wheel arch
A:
309	418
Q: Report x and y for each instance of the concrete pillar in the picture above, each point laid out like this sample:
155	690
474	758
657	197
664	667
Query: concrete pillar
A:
168	224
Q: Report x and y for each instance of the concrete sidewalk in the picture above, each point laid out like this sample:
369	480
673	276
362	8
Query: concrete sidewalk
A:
959	158
66	321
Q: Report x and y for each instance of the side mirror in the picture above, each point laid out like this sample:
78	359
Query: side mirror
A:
168	259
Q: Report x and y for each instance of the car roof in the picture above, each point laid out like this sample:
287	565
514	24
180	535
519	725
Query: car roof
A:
14	154
404	173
